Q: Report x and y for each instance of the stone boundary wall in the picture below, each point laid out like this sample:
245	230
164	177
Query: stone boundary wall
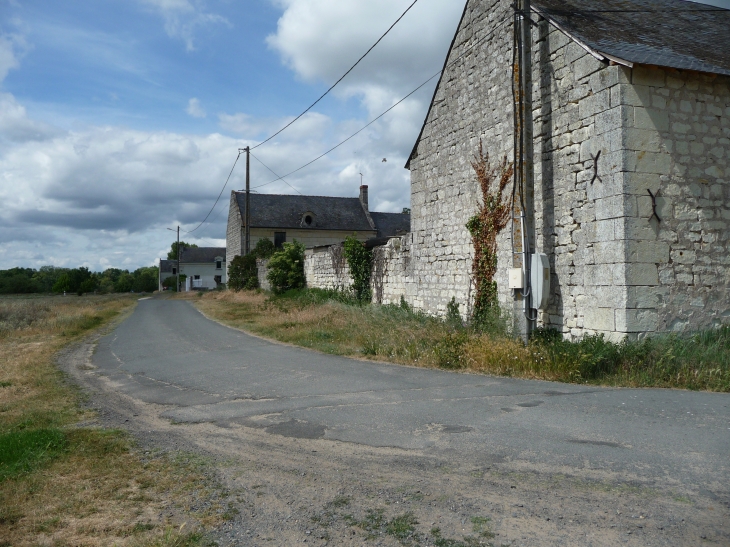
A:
263	270
326	268
391	278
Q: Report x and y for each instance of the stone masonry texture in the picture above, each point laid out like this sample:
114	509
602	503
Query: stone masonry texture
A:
615	268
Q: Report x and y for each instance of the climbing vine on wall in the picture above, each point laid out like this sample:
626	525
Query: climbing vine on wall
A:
360	260
491	218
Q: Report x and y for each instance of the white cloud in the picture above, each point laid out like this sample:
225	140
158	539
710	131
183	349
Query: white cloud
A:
12	47
195	109
103	196
320	40
182	18
15	125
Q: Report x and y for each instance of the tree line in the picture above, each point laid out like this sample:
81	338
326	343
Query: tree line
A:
51	279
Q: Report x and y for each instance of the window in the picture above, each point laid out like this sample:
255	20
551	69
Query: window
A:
279	239
196	277
217	279
174	271
218	264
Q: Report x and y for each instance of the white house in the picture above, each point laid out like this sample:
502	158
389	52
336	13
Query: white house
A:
204	268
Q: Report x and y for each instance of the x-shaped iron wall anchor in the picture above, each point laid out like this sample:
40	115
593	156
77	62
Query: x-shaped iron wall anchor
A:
595	167
653	205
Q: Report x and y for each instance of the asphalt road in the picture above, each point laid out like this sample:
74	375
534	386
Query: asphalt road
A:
169	354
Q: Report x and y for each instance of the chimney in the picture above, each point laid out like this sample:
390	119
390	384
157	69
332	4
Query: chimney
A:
364	197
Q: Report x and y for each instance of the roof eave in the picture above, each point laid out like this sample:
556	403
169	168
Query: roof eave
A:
438	85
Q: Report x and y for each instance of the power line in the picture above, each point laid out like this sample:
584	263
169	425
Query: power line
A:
341	78
280	178
371	122
219	196
669	10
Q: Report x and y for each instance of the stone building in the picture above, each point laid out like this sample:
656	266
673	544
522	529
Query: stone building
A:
311	220
631	110
645	83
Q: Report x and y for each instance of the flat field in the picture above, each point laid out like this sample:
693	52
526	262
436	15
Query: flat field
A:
63	479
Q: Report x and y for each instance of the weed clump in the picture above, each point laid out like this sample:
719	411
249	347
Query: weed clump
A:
24	450
336	322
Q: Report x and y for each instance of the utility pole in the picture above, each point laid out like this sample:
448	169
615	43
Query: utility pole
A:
248	200
523	207
178	257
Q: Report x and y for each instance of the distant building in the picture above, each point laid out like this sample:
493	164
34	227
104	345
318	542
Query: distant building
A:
311	220
203	268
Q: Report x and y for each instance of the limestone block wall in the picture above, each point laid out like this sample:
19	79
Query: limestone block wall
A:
309	238
578	199
473	102
677	145
326	268
392	274
574	119
263	271
391	279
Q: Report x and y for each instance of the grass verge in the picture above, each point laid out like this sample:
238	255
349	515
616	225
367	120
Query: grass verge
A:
66	485
334	323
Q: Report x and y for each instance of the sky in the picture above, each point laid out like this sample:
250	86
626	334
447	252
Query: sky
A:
121	119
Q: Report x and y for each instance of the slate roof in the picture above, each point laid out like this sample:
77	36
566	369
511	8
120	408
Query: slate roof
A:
287	212
669	33
202	255
391	224
166	266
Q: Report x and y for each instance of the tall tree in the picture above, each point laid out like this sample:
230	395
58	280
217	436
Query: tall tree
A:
172	255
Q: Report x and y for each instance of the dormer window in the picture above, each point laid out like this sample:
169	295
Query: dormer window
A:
218	263
307	220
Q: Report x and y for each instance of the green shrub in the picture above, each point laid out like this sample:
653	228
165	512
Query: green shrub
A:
264	248
360	260
286	268
170	282
243	273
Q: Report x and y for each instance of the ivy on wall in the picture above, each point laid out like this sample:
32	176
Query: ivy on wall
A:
491	218
360	260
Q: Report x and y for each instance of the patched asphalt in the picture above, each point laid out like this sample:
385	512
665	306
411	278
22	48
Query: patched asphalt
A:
168	353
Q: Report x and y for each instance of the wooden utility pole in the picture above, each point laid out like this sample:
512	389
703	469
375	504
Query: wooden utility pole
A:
523	207
178	259
247	245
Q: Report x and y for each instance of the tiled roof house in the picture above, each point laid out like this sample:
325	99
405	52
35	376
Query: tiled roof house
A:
311	220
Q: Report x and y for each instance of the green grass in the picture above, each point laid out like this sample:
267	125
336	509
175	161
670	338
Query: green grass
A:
403	528
23	451
176	538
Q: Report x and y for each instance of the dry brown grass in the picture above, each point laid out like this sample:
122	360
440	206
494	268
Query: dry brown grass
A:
331	323
99	491
378	332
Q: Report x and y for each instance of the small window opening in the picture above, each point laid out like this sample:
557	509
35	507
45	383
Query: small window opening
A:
196	277
308	220
279	239
174	271
218	264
